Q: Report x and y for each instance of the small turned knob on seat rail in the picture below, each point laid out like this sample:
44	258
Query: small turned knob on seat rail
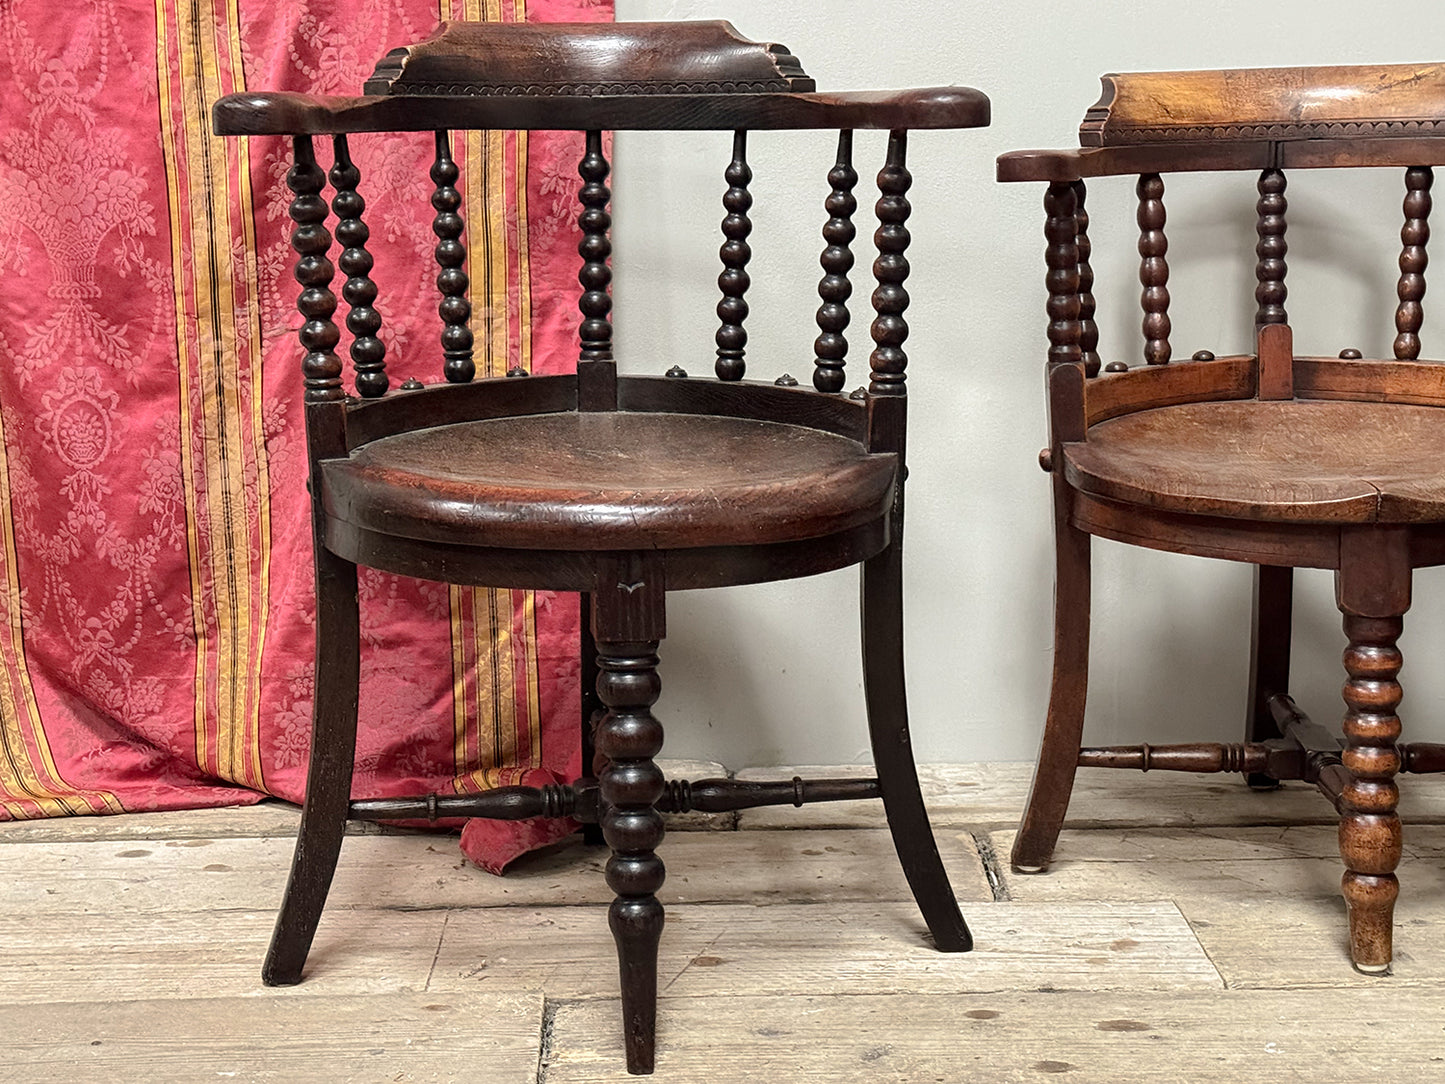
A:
1203	355
1351	354
1117	367
1046	460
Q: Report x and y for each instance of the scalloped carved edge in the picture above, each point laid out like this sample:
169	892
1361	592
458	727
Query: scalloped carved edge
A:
546	90
1252	104
471	59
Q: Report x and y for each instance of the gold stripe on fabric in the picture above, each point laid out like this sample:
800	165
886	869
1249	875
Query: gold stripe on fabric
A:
524	256
485	181
524	341
524	259
228	544
484	709
183	357
496	643
478	256
457	598
501	657
499	268
534	697
242	151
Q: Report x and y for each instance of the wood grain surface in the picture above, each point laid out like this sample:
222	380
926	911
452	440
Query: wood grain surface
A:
608	480
1286	461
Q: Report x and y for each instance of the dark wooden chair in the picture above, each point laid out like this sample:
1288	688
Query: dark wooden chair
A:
621	488
1281	461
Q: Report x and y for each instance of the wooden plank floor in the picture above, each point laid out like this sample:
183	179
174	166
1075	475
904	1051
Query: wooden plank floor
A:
1189	930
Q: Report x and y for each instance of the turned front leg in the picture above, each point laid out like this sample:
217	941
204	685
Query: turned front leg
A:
1369	826
1373	590
629	737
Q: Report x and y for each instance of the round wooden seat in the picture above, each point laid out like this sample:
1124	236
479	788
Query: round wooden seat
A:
1301	461
610	481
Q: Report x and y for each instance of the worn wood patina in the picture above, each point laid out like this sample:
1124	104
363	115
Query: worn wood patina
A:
621	488
1270	458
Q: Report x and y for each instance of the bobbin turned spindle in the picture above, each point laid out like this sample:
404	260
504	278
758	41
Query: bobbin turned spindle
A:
1153	269
831	346
1061	232
368	353
732	310
1270	251
312	241
451	257
1088	329
1414	236
594	248
890	299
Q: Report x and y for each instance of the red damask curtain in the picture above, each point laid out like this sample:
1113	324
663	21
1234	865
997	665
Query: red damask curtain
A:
155	580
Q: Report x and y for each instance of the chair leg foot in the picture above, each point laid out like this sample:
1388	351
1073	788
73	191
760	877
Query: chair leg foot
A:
883	681
629	737
1371	902
637	928
1053	783
328	780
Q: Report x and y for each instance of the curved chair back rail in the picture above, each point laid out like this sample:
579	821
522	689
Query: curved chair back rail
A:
618	487
1268	458
581	76
1265	119
285	113
1251	118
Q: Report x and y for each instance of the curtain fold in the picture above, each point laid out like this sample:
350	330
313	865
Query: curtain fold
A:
156	608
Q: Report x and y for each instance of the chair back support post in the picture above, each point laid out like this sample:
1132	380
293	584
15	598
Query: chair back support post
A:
451	257
831	346
368	352
733	281
312	242
596	369
1153	269
1065	330
1270	269
1414	236
325	400
890	299
1061	256
1088	329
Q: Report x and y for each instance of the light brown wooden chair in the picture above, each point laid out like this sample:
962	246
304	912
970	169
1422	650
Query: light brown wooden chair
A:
1281	461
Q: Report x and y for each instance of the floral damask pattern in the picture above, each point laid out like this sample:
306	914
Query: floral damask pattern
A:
155	567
